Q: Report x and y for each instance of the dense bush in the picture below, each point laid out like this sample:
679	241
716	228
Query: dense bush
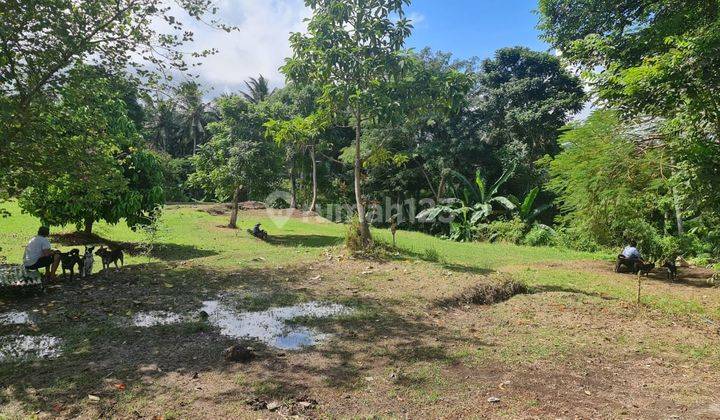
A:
540	235
353	239
175	175
511	231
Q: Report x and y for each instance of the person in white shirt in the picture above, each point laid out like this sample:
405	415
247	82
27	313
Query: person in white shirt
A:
39	254
631	252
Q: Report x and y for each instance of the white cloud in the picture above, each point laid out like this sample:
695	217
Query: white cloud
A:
259	46
416	19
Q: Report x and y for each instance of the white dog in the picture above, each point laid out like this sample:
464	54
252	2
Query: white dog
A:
88	260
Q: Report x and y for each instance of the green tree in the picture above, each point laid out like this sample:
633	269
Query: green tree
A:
653	58
414	154
163	125
107	175
609	189
473	204
526	210
299	133
237	160
258	90
526	97
352	49
194	116
41	40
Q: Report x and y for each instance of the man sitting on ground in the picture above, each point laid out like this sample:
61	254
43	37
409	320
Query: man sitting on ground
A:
258	232
39	254
631	252
631	258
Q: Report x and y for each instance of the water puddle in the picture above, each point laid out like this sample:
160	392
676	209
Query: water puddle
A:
25	347
271	327
155	318
14	318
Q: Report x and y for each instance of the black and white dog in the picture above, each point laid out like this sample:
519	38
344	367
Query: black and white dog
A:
68	261
87	261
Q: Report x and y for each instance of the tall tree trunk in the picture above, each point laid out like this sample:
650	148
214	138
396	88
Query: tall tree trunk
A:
678	212
364	227
313	204
88	225
235	207
677	204
442	186
293	185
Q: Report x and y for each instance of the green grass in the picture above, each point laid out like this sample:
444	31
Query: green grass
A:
188	233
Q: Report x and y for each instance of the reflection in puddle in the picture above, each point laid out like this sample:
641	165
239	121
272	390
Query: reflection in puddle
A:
270	326
155	318
29	347
14	318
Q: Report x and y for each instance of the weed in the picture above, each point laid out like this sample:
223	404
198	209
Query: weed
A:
487	294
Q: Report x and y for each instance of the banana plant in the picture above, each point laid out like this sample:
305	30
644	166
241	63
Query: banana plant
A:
483	196
526	210
475	206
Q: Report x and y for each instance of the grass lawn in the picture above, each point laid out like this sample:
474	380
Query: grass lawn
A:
575	345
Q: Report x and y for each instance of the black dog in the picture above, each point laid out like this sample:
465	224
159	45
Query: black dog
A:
110	256
644	269
671	270
69	260
635	266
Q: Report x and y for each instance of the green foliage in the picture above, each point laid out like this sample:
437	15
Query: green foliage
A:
258	90
366	53
238	154
653	58
526	210
540	235
509	231
353	237
176	173
526	95
463	215
608	188
110	176
44	39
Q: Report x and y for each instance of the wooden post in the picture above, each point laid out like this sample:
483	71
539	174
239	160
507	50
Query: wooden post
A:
393	230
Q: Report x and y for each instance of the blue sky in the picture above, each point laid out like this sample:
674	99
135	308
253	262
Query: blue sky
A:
474	28
466	28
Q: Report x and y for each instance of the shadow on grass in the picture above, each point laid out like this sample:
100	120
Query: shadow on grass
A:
311	241
161	251
432	256
102	348
565	289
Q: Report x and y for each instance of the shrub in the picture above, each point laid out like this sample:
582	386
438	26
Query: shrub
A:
353	240
575	238
487	293
540	235
511	231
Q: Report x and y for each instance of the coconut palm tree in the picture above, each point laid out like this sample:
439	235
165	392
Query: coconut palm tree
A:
258	90
194	115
